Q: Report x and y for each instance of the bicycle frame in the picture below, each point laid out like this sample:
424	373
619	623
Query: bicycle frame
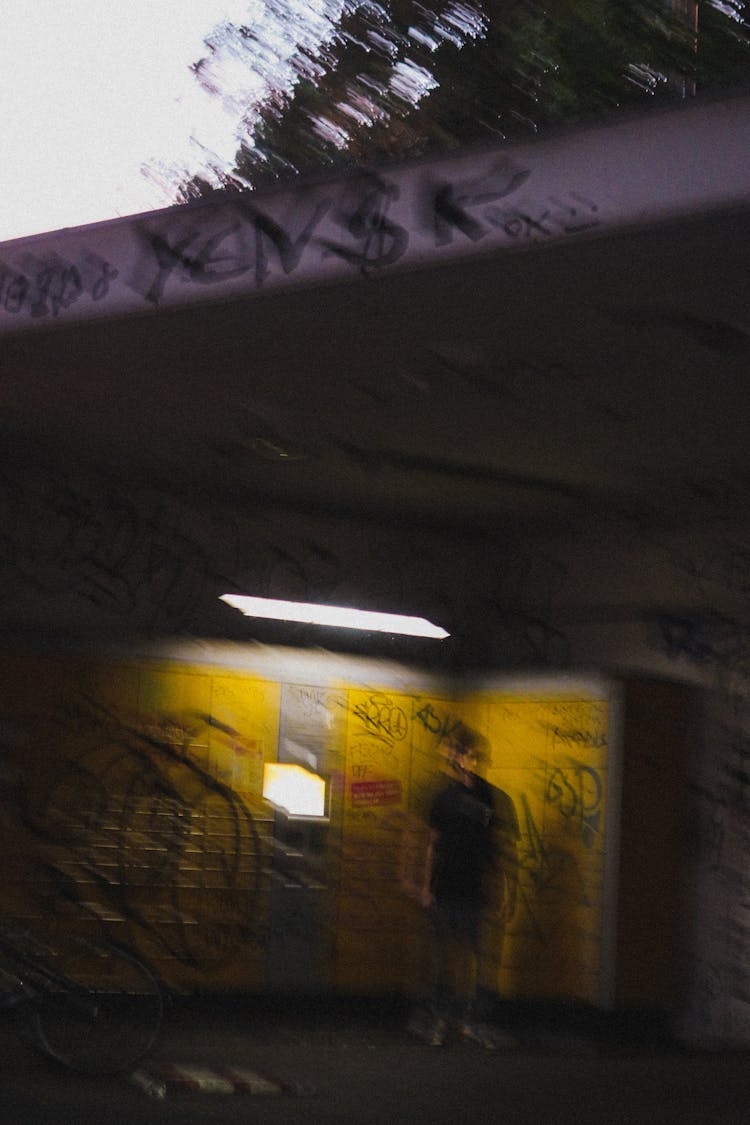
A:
100	1023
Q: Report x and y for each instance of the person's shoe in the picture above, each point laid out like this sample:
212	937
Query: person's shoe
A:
475	1033
439	1033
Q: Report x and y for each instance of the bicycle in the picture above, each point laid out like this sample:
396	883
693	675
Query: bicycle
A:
93	1007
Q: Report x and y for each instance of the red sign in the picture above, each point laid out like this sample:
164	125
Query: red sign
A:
376	792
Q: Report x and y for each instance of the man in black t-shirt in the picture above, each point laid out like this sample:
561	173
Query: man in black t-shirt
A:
466	838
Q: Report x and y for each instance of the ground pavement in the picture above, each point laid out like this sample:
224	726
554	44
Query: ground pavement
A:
306	1060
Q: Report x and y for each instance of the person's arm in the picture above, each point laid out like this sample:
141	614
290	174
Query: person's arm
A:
412	856
427	897
509	866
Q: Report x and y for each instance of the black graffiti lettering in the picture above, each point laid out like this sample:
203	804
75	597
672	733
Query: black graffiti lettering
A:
551	869
209	266
15	290
450	203
577	794
44	279
168	258
289	250
698	638
107	547
382	718
68	289
561	793
533	225
384	241
513	227
430	719
595	740
242	239
131	812
450	214
534	852
574	225
517	224
561	217
100	288
56	285
50	286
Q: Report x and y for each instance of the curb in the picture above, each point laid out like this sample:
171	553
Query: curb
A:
160	1081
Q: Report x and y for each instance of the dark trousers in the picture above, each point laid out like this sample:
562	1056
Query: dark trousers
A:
455	929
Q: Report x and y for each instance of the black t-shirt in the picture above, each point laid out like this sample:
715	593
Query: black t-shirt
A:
462	817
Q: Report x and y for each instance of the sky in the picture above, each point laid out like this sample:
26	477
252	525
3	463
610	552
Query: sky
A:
101	113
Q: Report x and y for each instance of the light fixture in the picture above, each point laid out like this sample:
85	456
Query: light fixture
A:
340	616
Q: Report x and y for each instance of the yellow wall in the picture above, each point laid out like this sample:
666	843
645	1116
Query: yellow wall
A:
133	801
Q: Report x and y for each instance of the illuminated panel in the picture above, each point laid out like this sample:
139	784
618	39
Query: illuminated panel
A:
294	789
342	617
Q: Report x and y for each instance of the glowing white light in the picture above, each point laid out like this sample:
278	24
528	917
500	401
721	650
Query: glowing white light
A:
294	789
102	114
109	109
342	617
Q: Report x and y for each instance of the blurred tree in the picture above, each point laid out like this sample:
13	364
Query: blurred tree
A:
397	77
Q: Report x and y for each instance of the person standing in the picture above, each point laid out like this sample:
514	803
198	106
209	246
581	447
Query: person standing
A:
473	831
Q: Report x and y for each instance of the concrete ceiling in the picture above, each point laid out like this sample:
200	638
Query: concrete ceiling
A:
535	386
467	409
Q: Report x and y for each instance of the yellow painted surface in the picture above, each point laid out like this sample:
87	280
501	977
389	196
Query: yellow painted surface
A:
134	803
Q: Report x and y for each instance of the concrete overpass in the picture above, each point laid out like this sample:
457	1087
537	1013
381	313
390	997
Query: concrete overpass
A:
476	388
505	390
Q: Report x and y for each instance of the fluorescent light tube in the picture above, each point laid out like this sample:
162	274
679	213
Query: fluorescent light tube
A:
340	616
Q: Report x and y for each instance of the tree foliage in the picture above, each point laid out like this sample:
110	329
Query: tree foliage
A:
398	78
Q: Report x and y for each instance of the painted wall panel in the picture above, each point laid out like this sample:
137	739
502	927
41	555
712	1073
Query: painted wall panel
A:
139	809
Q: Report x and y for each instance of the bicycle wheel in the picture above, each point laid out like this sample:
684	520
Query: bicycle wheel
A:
100	1013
